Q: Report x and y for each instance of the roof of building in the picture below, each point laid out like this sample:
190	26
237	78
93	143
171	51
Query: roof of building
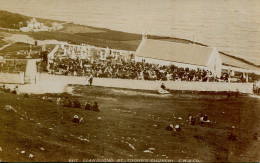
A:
229	61
176	52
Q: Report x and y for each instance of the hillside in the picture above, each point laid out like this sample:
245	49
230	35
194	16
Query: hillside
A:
102	37
15	21
44	129
11	20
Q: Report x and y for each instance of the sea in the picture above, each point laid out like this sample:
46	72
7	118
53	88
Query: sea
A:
233	26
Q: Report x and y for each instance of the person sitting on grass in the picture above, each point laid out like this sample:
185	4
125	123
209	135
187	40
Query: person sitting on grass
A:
76	104
177	128
15	90
7	90
67	102
204	119
88	106
232	136
75	119
163	86
192	120
95	107
169	128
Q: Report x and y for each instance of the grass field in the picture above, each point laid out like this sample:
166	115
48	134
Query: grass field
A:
19	50
129	123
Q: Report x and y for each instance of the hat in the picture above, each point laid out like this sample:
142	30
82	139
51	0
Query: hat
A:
171	125
177	126
75	116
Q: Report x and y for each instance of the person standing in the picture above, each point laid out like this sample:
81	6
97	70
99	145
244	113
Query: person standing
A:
90	79
87	81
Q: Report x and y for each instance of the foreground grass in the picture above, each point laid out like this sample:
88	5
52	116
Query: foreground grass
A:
126	117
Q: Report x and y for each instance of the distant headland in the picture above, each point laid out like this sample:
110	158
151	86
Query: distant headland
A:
77	34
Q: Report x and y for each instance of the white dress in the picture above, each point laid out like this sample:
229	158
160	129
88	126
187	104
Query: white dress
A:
87	81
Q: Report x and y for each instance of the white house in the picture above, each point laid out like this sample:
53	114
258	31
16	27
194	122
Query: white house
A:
35	26
181	55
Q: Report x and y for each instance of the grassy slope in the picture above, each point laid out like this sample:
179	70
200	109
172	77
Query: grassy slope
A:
11	20
126	116
10	52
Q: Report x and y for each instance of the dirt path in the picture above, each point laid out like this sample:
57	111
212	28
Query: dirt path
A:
31	71
5	46
51	54
30	40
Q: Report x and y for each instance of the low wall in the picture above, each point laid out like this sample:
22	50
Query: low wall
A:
12	78
149	85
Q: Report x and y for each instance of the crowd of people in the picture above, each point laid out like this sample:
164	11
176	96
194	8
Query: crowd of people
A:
6	89
66	102
129	70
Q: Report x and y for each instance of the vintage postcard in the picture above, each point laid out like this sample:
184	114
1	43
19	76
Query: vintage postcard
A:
129	81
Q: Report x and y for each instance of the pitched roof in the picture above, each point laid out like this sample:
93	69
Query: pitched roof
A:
229	61
176	52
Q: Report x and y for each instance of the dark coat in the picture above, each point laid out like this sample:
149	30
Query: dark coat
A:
88	107
169	128
95	107
76	104
75	120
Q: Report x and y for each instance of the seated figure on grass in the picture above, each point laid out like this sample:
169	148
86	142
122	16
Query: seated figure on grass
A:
67	102
95	107
204	119
162	89
76	104
76	119
192	120
169	128
88	106
15	90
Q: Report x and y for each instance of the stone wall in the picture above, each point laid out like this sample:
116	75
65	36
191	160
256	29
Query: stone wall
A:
148	85
12	78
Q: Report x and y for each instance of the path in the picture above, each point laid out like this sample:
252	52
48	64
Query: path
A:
29	40
30	72
5	46
51	54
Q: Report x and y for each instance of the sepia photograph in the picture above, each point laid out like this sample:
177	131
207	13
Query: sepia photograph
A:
129	81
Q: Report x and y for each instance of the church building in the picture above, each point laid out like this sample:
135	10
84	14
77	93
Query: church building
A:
181	55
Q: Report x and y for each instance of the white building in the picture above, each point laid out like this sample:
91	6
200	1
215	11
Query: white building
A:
35	26
181	55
